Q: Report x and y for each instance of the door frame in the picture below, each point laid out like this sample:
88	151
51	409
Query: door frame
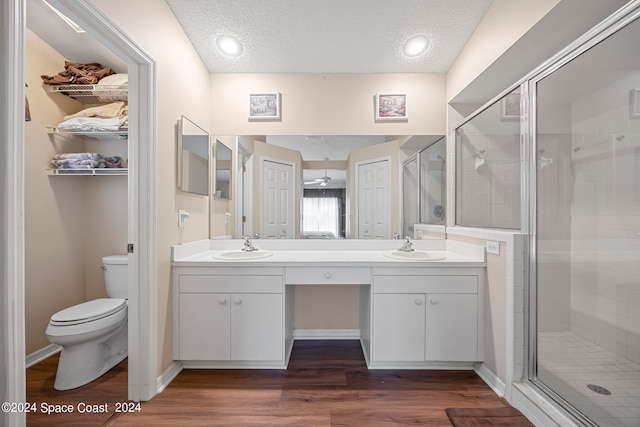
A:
244	189
141	199
142	320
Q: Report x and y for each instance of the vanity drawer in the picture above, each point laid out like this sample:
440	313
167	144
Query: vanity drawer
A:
327	275
425	284
212	283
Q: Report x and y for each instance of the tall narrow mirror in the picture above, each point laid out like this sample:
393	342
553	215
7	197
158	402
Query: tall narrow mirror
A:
193	162
433	183
223	171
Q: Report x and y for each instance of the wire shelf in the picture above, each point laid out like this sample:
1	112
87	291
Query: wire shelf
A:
89	172
92	94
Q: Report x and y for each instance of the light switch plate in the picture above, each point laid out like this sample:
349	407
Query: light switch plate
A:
493	248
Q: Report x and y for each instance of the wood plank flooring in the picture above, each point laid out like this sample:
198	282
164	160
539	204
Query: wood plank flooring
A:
327	384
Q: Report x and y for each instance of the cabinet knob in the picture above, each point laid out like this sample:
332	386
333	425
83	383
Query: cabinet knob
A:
327	275
237	301
222	301
434	301
418	301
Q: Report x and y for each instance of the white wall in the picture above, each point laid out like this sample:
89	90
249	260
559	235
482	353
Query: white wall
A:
328	104
503	24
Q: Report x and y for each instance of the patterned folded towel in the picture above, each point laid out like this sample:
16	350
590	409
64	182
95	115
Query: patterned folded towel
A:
85	161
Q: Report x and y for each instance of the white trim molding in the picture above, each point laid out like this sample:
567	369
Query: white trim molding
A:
326	334
42	354
142	220
12	153
169	375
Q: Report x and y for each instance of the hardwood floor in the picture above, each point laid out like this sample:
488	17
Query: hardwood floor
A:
327	384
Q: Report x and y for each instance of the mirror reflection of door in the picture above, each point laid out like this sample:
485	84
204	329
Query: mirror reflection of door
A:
278	200
410	195
374	201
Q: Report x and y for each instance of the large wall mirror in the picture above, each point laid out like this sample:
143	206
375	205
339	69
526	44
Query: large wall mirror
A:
193	161
321	176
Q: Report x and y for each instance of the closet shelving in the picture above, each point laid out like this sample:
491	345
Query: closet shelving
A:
120	134
89	172
91	94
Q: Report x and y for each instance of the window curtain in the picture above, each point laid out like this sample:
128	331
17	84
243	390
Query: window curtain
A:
321	214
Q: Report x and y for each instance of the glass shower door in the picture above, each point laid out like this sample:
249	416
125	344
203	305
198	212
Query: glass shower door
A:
587	322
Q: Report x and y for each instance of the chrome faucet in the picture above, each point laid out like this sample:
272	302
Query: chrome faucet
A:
248	246
406	247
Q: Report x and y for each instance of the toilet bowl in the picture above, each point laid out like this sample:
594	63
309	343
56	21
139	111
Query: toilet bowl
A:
93	335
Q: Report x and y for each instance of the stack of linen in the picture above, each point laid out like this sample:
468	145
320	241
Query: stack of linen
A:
109	117
85	161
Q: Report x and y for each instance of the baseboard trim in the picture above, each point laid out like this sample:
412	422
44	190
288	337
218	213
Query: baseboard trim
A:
490	379
326	334
168	375
39	355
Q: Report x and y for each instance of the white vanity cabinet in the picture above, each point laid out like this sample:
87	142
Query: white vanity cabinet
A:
229	314
418	317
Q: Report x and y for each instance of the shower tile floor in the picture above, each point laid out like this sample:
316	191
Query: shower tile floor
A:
568	364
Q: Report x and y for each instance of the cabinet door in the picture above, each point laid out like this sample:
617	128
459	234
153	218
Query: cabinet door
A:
256	327
398	327
204	327
452	327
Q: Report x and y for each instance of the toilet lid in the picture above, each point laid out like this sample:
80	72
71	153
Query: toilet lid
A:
88	311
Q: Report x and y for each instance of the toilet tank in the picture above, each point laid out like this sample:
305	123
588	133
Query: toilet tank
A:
116	275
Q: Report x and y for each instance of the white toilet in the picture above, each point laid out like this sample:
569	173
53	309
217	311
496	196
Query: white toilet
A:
93	335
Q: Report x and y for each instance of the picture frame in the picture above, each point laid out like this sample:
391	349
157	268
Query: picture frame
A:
264	106
510	106
634	104
391	106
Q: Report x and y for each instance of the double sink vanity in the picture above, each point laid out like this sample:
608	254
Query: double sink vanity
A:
420	308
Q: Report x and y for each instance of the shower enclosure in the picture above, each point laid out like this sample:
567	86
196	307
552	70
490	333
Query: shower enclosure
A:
585	300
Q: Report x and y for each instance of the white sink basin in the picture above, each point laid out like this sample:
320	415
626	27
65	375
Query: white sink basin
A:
240	255
414	256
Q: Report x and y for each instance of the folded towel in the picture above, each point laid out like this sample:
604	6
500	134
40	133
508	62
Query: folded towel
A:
85	161
114	109
94	123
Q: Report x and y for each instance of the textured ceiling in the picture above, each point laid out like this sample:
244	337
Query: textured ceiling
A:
329	36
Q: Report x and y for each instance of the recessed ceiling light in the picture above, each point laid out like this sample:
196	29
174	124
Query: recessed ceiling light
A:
415	46
229	46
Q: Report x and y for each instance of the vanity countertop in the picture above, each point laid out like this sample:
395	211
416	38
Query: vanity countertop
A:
352	253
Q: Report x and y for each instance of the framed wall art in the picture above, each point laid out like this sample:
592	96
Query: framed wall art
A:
264	106
391	106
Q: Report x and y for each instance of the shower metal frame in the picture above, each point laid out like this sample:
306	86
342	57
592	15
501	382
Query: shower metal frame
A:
528	143
598	34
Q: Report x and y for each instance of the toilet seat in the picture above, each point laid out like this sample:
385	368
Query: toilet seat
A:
88	311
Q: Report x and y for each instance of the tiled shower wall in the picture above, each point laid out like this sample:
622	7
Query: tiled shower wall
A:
605	219
489	171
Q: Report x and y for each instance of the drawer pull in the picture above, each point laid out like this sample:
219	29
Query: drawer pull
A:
222	301
434	301
237	301
418	301
327	275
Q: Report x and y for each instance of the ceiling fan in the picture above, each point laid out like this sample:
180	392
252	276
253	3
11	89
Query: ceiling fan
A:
323	180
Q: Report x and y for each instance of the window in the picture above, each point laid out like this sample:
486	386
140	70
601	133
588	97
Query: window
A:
323	214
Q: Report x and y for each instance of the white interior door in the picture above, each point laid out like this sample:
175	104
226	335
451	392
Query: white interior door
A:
278	200
374	200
